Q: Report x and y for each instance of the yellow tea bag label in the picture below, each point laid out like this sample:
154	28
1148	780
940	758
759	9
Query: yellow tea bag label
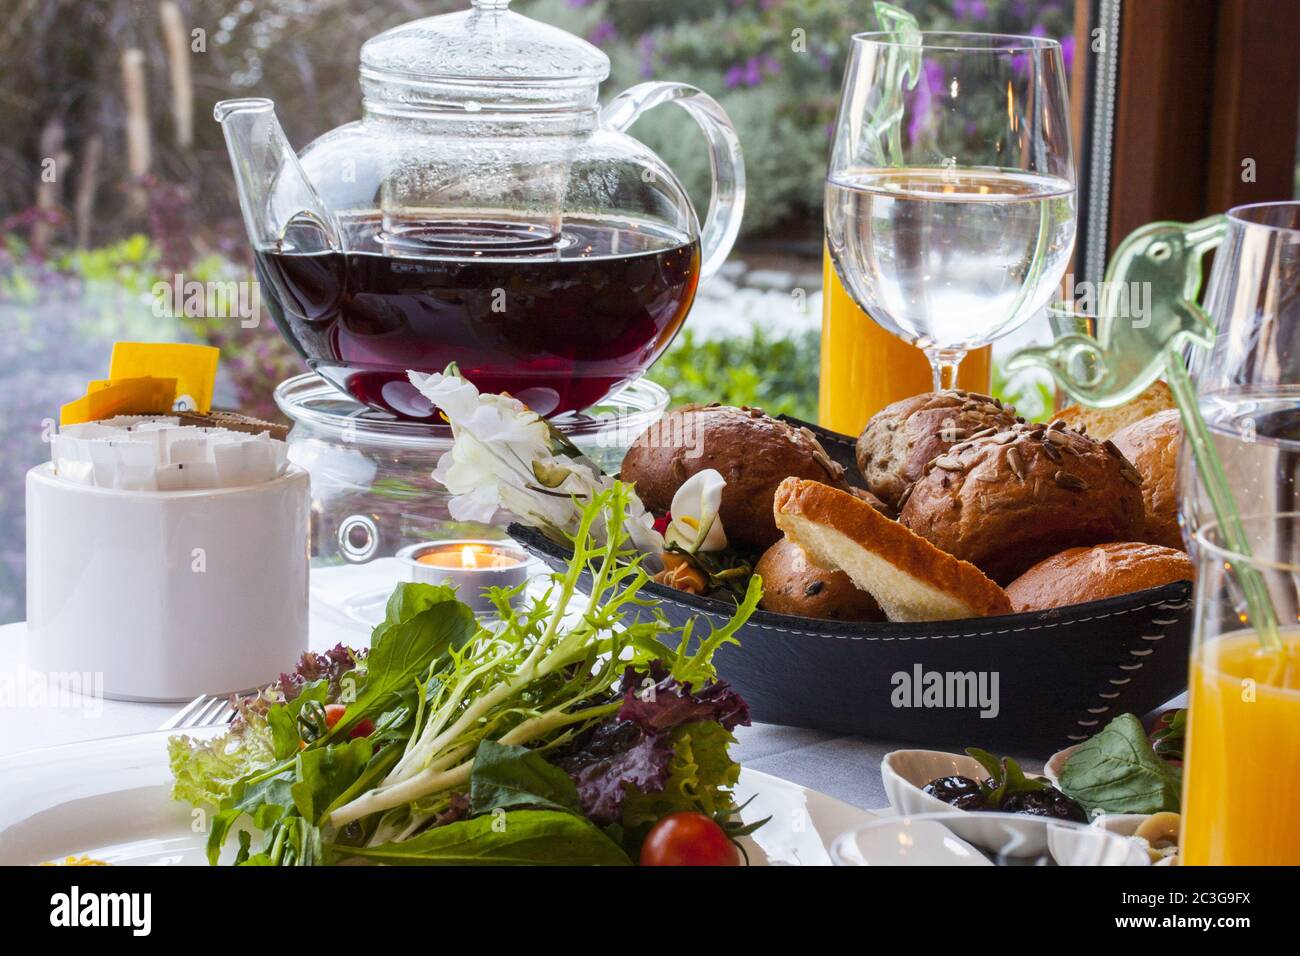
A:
129	396
194	367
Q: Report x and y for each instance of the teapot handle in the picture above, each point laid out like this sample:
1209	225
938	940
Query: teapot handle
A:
727	202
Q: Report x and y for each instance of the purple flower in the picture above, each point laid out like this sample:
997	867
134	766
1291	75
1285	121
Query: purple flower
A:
647	46
603	32
733	77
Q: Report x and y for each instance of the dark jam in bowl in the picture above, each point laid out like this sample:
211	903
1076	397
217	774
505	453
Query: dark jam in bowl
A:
560	328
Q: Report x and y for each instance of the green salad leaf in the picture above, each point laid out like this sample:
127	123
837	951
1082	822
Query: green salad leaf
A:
451	744
1116	771
510	777
324	773
423	625
503	837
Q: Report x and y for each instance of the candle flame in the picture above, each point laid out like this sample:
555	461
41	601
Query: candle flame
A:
469	557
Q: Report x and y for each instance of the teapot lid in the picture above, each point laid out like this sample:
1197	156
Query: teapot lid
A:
487	44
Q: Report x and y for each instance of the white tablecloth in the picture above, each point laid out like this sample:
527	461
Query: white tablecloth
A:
30	717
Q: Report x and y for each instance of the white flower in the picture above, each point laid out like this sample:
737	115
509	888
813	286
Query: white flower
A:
695	524
504	455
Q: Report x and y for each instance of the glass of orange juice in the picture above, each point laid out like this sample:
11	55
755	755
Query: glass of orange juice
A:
864	367
1241	777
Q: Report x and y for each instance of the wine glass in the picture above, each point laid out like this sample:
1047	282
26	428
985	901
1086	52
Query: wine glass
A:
950	196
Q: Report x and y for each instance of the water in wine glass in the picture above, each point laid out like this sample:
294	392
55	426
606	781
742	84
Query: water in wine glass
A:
949	257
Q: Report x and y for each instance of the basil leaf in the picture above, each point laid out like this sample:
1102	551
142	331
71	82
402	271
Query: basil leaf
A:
284	732
409	599
515	837
325	772
509	777
404	650
1117	771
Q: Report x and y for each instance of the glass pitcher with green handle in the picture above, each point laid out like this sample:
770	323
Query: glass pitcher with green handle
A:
1247	368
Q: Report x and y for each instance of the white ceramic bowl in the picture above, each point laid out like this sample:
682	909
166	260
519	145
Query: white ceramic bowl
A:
906	772
955	838
1056	763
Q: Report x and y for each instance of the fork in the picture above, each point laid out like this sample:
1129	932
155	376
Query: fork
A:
202	711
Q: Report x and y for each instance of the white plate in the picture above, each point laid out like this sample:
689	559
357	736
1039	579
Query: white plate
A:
109	800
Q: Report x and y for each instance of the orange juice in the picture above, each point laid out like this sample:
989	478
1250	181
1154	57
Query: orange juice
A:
1241	782
864	368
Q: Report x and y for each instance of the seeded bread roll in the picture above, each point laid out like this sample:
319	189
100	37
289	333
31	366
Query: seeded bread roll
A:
1090	574
910	578
752	451
1152	445
1004	502
901	438
794	585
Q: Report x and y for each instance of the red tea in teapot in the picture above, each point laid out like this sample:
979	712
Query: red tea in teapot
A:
559	328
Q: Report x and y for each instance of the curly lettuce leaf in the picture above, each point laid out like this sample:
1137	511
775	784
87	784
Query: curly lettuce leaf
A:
612	758
204	771
701	776
657	701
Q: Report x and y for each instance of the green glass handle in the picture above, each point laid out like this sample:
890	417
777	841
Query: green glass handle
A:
1146	304
1147	314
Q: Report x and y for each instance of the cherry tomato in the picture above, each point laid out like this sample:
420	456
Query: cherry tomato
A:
334	713
688	839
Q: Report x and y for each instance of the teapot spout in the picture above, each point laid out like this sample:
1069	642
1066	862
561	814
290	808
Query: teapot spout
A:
278	202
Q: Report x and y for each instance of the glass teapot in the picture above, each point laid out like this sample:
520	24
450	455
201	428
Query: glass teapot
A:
484	210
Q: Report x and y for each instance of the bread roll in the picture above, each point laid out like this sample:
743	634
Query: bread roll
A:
901	438
1152	445
752	451
910	579
1090	574
1103	423
794	585
1006	501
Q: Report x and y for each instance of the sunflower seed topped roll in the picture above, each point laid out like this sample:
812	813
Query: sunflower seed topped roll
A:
902	438
1006	500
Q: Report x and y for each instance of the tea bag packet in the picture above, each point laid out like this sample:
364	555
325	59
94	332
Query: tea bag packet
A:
138	453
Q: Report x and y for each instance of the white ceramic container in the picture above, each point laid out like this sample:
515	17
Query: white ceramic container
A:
167	595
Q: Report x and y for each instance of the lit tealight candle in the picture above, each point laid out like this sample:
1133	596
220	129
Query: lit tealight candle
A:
469	566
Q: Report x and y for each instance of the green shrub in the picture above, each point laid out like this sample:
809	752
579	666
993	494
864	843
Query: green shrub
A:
780	375
776	374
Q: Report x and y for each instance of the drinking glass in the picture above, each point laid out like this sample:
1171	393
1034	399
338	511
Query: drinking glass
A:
950	194
1241	771
1249	382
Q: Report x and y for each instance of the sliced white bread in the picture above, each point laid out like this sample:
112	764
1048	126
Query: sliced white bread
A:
910	578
